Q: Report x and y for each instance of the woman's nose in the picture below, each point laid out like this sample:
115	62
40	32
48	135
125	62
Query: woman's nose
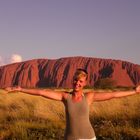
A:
77	82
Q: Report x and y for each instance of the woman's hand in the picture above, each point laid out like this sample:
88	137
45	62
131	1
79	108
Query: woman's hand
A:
13	89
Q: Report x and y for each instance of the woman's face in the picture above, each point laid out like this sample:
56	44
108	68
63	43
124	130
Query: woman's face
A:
79	83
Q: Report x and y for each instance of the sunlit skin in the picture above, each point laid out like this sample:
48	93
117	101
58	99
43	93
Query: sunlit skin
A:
76	93
78	85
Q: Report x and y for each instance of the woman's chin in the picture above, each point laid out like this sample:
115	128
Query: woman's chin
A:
76	89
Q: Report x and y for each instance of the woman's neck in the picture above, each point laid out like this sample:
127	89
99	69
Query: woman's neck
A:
77	93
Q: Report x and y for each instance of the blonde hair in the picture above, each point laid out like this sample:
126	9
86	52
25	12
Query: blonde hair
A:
80	73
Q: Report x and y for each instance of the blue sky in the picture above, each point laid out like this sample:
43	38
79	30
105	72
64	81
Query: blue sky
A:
52	29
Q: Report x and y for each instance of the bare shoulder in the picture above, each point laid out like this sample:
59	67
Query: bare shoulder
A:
65	95
89	97
89	94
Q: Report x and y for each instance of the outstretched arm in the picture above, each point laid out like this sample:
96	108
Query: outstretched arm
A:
45	93
118	94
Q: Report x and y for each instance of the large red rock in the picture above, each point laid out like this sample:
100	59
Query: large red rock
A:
59	72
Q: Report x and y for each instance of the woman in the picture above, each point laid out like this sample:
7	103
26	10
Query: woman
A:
78	126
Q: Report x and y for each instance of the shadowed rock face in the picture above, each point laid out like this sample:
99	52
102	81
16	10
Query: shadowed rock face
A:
59	72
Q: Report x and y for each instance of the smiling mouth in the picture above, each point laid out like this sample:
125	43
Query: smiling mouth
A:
76	86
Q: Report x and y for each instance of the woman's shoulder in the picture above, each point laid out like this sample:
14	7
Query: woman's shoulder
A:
89	97
88	94
66	95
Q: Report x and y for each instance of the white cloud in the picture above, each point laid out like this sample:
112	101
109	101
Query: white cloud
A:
15	58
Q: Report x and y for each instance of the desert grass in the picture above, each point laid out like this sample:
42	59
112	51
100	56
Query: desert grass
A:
26	117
